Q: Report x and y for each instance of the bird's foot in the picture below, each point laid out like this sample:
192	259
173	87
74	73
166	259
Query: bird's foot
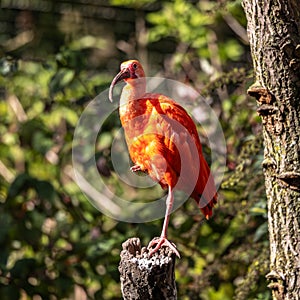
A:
135	168
160	242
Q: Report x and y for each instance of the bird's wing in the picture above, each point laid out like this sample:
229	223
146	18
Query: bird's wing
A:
180	143
185	137
166	106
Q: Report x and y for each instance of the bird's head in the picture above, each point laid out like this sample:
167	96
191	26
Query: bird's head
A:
130	70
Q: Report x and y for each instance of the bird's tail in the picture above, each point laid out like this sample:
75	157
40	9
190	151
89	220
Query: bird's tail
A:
205	193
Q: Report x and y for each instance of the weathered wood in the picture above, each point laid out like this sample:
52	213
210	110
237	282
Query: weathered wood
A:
273	30
143	277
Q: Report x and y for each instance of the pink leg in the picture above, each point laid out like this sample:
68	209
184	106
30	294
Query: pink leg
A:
162	240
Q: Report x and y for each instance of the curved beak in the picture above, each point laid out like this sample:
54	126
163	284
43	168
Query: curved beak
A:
123	74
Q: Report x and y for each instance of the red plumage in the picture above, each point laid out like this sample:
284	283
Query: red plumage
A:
162	140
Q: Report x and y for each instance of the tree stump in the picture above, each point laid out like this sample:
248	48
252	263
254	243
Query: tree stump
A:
143	277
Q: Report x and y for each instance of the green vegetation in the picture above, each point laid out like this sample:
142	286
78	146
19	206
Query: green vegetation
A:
56	57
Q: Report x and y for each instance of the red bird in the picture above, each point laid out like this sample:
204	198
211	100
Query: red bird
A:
162	140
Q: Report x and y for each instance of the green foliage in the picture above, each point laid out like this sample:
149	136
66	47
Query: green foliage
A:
197	27
53	243
52	239
190	21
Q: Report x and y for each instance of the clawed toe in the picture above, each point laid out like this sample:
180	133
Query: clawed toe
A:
135	168
160	242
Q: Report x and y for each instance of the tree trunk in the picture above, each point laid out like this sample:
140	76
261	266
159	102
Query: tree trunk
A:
274	33
144	277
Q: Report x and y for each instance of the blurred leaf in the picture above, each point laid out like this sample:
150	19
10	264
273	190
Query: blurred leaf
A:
5	223
88	41
71	59
41	143
260	232
60	80
31	127
23	182
23	268
8	66
45	190
231	50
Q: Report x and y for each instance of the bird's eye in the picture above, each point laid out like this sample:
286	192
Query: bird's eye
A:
135	66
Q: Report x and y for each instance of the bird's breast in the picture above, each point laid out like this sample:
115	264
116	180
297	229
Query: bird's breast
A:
134	117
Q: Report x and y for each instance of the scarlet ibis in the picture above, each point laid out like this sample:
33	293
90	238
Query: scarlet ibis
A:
158	132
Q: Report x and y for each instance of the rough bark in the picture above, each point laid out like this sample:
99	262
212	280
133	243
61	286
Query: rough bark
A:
274	34
143	277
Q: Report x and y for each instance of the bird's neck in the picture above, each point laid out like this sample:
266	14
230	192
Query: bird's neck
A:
133	90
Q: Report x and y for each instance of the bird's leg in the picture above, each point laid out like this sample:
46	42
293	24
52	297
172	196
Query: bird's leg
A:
162	240
135	168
